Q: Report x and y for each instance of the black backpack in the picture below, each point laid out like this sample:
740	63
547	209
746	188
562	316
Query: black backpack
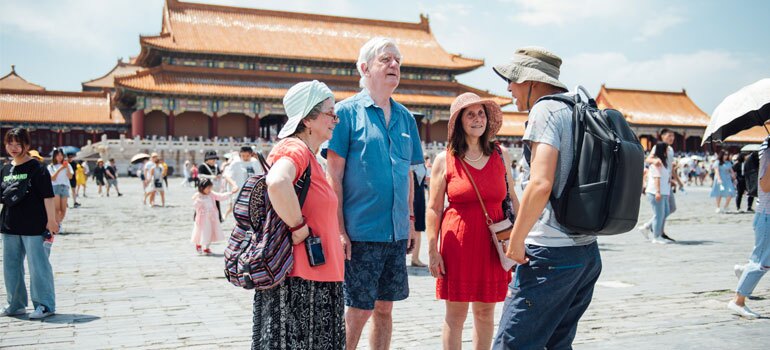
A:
601	195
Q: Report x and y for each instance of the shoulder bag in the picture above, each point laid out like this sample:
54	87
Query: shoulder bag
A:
494	227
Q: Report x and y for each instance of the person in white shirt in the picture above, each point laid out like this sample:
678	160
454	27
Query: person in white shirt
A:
61	173
244	167
153	179
667	136
658	191
241	169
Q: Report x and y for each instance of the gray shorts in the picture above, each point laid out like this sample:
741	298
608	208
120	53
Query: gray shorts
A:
61	191
112	182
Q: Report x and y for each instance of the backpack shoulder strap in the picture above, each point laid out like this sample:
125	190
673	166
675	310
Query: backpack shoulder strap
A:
570	101
263	162
577	129
303	185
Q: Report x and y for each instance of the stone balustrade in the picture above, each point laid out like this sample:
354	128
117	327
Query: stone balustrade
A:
176	151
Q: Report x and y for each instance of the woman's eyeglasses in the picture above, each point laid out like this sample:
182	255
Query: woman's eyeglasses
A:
331	114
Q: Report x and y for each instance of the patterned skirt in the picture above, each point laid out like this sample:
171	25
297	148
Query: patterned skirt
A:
299	314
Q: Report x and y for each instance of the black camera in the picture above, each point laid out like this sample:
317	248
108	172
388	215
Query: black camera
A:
315	252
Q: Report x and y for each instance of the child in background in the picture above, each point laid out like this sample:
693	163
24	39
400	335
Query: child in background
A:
206	229
194	174
81	175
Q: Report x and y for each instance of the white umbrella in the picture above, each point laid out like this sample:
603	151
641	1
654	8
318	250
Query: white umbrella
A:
751	148
139	156
748	107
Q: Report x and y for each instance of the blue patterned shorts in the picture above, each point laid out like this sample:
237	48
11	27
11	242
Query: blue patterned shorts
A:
376	271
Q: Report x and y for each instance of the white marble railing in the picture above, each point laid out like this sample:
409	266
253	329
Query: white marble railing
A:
176	152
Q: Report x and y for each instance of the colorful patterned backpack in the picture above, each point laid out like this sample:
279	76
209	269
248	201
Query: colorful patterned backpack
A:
259	252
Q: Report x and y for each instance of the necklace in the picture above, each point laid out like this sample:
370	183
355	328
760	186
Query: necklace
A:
474	160
306	144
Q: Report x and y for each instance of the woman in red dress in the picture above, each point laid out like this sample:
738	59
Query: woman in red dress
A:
462	255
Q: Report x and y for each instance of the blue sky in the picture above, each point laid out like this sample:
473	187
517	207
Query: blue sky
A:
710	48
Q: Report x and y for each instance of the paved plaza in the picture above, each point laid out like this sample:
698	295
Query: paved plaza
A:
127	277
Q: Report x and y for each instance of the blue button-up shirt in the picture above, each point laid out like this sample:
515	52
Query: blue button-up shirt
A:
377	159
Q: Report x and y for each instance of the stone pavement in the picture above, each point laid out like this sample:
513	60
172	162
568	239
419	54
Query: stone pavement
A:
127	277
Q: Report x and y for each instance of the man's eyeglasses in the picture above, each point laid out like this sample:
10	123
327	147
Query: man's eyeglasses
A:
331	114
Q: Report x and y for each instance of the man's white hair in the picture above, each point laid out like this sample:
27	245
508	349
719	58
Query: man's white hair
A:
373	48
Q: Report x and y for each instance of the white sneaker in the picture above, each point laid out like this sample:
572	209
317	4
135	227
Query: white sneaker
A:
644	229
659	241
718	211
40	313
742	311
738	269
8	312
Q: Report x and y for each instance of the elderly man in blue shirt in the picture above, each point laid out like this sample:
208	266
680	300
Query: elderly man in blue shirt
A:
368	162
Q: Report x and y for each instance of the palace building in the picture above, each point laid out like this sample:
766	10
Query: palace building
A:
648	112
221	72
218	71
56	118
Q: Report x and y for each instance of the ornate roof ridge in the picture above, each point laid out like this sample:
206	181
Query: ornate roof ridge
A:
119	64
645	91
423	25
55	93
26	84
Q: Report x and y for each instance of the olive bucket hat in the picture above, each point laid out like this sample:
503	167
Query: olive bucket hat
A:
532	63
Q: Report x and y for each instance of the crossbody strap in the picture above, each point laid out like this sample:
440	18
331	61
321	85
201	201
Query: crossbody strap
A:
478	195
505	167
303	184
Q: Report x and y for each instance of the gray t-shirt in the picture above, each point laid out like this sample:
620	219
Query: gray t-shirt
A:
550	122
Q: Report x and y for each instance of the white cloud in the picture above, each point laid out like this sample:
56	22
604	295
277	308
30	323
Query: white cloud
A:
565	12
707	75
657	25
76	24
644	17
455	26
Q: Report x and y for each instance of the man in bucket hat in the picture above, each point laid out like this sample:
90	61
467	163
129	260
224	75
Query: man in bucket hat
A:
368	162
557	269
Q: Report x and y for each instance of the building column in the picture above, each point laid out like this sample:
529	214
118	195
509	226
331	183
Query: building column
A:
137	124
684	141
170	124
61	138
254	129
427	132
213	126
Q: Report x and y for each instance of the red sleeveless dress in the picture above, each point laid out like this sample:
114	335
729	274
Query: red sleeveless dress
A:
473	270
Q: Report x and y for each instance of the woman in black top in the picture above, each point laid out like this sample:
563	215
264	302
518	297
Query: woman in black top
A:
28	225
